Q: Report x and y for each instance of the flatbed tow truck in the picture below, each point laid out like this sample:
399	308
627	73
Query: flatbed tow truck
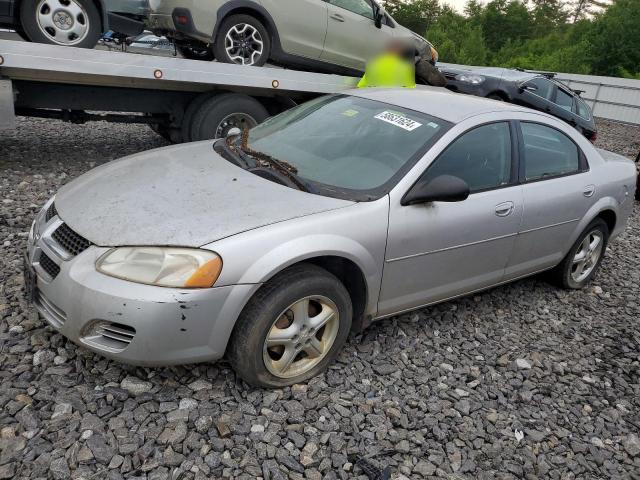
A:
182	100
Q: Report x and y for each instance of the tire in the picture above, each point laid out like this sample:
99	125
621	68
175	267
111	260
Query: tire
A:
247	350
563	274
82	15
495	96
187	119
234	26
192	52
218	114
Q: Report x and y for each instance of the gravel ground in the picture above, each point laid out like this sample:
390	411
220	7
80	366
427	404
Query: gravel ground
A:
523	381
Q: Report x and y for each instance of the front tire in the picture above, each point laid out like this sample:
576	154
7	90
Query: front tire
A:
583	260
195	52
243	40
72	23
292	329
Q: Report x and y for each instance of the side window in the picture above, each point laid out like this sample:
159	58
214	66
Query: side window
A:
582	109
361	7
548	152
481	157
543	87
564	100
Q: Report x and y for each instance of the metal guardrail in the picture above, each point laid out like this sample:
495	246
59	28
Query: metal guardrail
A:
612	98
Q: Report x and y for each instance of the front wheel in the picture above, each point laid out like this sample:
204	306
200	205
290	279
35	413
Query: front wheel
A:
72	23
195	52
292	329
583	260
243	40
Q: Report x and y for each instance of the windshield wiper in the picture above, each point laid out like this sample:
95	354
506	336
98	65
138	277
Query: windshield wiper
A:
266	161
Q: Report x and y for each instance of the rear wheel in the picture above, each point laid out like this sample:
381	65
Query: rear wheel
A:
495	96
583	260
73	23
243	40
292	329
217	115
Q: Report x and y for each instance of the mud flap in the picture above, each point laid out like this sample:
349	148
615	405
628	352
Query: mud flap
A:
7	112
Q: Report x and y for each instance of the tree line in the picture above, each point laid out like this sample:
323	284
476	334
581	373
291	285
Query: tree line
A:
597	37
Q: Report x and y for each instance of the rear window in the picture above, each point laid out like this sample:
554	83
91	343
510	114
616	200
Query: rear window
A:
564	100
582	109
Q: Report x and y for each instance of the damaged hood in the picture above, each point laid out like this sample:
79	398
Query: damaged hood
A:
185	195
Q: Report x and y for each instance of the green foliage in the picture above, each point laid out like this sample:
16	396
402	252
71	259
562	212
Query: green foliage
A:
555	35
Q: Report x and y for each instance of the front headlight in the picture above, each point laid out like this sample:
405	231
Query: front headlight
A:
162	266
468	78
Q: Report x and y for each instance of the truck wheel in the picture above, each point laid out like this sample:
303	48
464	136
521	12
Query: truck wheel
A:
72	23
292	329
219	114
193	52
243	40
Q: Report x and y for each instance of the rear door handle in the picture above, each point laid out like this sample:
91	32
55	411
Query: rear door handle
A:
504	209
338	17
589	190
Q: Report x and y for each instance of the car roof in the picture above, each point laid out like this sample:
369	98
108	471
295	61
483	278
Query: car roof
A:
497	72
438	102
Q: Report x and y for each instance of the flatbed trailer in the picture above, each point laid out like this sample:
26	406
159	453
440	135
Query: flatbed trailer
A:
182	100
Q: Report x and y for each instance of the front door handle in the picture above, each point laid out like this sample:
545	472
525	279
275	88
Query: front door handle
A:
337	17
505	209
589	190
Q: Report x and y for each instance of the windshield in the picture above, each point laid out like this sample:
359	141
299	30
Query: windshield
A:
347	146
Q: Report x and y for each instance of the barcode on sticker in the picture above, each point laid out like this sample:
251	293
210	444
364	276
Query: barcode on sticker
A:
398	120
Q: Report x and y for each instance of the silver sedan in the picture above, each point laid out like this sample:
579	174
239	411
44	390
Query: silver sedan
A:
271	246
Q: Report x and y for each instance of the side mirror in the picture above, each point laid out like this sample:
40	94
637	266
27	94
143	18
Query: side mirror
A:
528	87
378	15
445	188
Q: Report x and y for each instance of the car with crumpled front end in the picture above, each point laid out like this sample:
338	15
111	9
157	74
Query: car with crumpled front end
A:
271	246
540	91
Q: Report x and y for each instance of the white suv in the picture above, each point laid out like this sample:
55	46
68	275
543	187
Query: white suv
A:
328	35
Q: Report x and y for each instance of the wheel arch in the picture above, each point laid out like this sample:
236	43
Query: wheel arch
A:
499	93
248	7
606	209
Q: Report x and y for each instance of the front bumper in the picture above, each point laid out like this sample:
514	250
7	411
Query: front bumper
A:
129	322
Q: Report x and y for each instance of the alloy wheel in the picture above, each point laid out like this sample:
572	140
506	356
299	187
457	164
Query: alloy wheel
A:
587	256
64	22
244	44
302	335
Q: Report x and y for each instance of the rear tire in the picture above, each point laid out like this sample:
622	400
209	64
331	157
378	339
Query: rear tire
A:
243	40
317	294
495	96
583	260
216	115
73	23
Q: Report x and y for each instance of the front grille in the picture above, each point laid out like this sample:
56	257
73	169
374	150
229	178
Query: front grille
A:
49	311
109	335
70	240
50	213
49	265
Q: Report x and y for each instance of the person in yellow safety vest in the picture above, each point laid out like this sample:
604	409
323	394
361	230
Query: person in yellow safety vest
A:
393	68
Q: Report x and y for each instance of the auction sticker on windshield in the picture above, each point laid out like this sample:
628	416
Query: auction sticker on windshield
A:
398	120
